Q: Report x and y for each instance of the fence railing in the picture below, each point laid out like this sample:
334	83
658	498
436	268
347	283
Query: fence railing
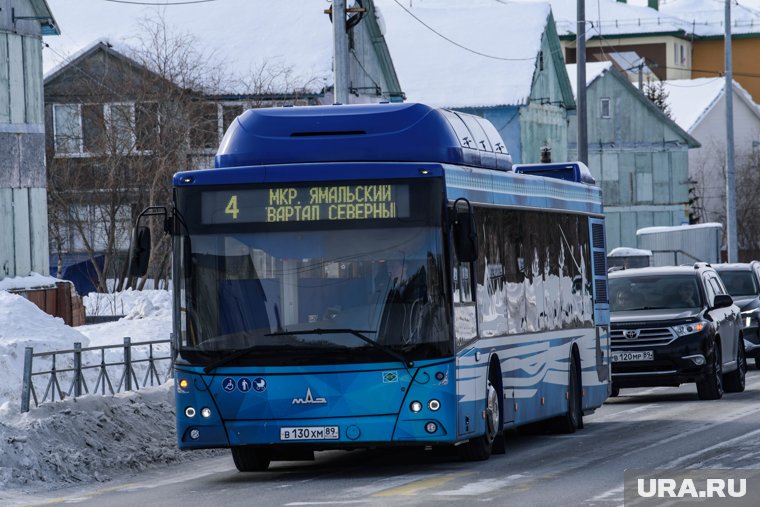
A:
77	371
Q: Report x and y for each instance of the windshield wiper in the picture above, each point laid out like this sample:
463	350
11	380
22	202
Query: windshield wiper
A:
355	332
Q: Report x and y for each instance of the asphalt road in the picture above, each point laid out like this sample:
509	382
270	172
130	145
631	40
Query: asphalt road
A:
665	428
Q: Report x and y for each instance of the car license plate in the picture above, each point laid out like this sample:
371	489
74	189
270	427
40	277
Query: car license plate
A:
310	433
619	356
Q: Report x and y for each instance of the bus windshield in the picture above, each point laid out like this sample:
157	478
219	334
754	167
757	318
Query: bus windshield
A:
311	293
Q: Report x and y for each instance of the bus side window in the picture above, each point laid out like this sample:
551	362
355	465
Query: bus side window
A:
465	312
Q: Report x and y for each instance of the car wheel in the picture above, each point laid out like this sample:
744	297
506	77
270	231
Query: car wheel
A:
735	380
251	459
614	391
757	363
711	386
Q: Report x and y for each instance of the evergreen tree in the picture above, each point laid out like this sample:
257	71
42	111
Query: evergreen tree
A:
655	91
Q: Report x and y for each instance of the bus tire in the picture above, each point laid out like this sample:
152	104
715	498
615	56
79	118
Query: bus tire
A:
572	420
480	448
251	459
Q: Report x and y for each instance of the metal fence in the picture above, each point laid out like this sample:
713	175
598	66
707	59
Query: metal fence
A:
68	365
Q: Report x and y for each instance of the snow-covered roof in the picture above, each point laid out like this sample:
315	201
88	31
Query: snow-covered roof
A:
624	251
244	35
464	53
593	71
706	18
33	281
677	228
690	100
608	18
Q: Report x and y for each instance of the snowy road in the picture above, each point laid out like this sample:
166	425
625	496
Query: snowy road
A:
643	428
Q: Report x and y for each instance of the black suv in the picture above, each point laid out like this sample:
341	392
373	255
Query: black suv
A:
675	324
742	280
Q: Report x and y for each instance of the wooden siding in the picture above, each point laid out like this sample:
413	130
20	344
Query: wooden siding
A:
23	198
639	158
708	61
24	238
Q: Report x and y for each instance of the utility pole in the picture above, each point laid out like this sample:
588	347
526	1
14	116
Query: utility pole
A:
732	248
581	85
340	55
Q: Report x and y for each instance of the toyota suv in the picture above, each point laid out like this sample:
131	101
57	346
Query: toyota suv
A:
672	325
742	280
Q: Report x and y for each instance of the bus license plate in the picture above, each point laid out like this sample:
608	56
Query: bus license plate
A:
310	433
619	356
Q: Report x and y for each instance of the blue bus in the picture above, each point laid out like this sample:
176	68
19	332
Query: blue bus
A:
378	275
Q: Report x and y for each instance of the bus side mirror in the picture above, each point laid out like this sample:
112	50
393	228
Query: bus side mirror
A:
138	264
465	237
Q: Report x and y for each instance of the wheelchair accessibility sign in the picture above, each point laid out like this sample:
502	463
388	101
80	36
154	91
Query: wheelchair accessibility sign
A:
228	384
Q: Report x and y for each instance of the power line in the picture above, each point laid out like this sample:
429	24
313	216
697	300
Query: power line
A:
439	34
162	4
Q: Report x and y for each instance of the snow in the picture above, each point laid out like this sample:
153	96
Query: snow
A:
93	437
593	71
245	36
607	18
624	251
676	228
33	281
690	100
490	66
706	17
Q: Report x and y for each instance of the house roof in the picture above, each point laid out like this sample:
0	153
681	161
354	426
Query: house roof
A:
464	53
706	18
289	39
48	25
596	70
611	18
691	100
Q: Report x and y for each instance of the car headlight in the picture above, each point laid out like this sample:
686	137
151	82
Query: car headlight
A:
749	316
694	327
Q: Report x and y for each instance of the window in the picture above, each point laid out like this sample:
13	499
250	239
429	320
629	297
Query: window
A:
93	128
67	129
606	108
121	126
682	50
146	126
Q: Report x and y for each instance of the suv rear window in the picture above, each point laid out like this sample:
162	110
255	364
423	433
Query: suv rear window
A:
739	283
654	292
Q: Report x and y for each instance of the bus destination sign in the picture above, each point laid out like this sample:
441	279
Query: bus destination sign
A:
305	204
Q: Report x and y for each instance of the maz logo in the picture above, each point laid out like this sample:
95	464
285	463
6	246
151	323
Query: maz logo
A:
309	399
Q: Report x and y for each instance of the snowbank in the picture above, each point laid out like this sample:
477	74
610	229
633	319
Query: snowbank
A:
33	281
23	325
133	304
90	438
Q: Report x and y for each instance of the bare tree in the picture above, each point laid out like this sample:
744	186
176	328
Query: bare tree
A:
145	115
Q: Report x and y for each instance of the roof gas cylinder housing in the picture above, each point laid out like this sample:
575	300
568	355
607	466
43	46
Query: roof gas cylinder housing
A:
361	133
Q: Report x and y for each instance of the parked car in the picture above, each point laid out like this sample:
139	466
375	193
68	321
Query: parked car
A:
673	325
742	280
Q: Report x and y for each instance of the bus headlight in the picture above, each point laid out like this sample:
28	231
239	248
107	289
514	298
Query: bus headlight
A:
205	412
190	412
431	427
415	406
434	405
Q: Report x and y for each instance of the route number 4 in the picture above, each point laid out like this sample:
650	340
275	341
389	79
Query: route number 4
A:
232	207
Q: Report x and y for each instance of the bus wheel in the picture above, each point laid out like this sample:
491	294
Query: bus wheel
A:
573	419
479	448
251	459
